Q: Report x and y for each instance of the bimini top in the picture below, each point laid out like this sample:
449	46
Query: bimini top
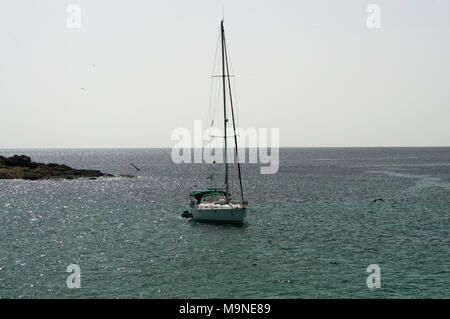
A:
198	195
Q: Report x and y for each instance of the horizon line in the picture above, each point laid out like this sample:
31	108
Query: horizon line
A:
268	147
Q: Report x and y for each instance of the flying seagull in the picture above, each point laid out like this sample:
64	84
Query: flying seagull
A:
137	168
376	200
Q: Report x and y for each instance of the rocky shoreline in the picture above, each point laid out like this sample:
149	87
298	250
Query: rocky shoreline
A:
21	167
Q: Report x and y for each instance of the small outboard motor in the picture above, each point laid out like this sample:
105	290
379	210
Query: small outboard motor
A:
186	214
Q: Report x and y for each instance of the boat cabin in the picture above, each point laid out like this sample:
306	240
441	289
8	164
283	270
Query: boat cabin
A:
208	196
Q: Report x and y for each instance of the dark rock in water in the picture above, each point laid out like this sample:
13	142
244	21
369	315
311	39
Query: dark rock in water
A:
21	167
21	161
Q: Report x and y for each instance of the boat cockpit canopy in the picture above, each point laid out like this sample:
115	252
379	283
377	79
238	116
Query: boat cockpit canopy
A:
199	195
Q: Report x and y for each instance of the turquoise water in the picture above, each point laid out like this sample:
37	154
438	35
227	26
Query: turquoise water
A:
311	231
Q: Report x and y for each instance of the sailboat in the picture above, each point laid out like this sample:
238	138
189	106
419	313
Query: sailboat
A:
215	204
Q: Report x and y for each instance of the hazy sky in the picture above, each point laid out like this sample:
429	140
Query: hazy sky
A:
310	68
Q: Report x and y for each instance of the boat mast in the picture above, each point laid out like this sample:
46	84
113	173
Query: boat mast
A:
224	110
234	122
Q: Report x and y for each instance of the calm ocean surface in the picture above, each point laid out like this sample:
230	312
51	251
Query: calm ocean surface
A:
311	231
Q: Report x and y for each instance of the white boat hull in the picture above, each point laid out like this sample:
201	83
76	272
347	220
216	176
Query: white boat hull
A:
222	215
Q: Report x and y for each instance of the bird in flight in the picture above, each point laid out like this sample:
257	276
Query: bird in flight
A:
137	168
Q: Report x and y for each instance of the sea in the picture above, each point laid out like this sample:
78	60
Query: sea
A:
312	231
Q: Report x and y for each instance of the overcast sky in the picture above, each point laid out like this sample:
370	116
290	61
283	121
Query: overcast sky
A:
136	70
